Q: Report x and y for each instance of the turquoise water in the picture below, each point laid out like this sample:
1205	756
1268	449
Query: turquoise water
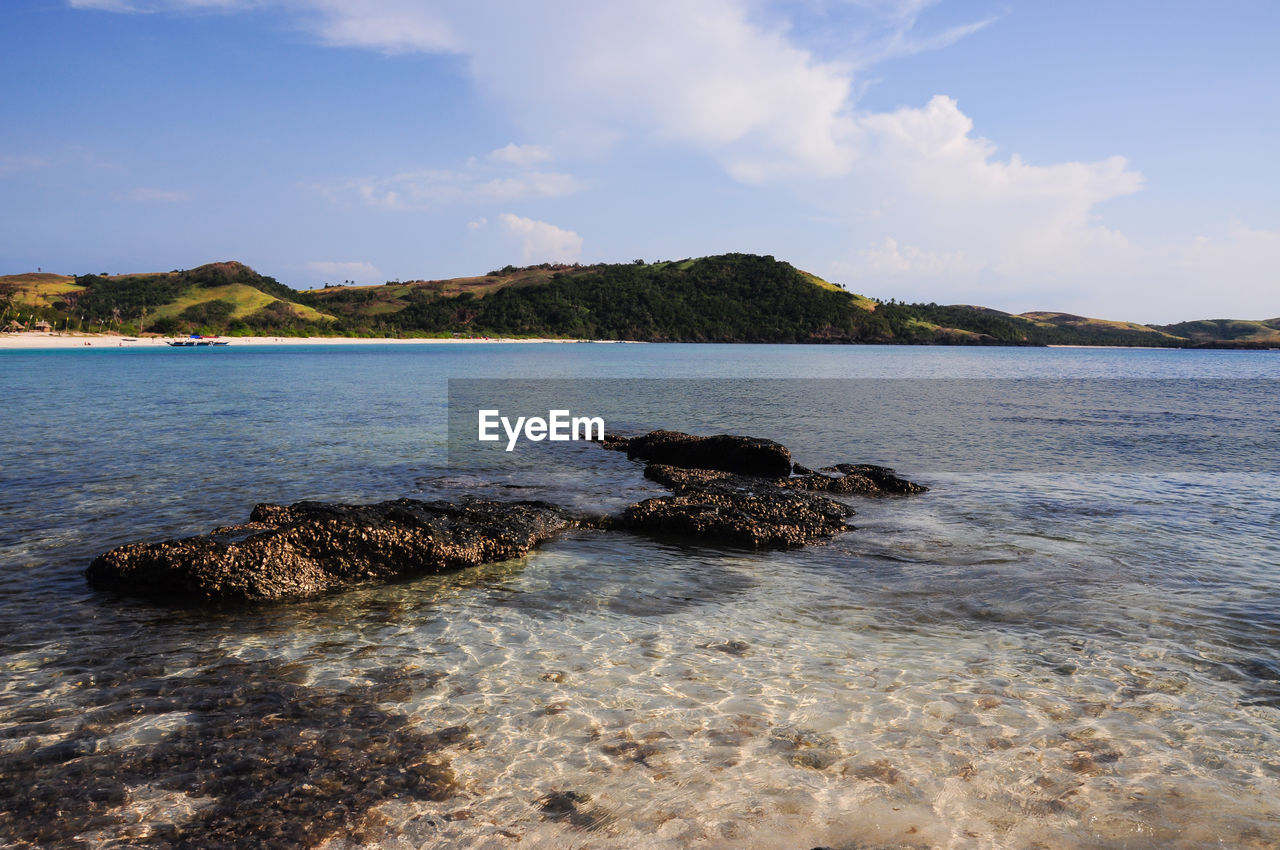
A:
1072	640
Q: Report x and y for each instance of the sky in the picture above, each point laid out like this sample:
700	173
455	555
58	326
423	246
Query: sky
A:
1111	159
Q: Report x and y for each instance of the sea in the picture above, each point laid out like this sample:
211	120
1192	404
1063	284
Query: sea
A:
1071	640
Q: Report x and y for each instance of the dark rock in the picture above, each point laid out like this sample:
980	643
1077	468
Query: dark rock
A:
806	748
681	481
575	808
727	452
729	647
636	751
277	763
740	491
615	442
736	509
860	479
727	489
879	771
292	551
841	479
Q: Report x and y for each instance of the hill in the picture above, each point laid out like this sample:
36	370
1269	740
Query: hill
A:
1069	329
37	290
216	298
725	298
1241	333
728	298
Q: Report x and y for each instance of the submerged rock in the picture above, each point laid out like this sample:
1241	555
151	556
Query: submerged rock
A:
293	551
576	809
740	510
741	491
727	489
257	760
726	452
844	479
861	479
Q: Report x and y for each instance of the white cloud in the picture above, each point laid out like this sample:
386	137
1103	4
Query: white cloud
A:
700	76
725	77
890	29
392	26
358	272
888	259
106	5
705	75
1230	274
432	188
953	221
541	242
147	6
954	217
16	164
146	195
522	156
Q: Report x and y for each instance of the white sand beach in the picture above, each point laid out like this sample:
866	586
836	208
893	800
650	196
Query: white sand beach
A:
28	340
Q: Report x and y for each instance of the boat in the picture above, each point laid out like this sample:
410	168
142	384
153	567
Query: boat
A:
196	340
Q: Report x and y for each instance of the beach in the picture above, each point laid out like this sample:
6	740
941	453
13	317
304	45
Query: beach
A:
28	340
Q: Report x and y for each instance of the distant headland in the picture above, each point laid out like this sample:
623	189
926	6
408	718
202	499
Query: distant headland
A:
725	298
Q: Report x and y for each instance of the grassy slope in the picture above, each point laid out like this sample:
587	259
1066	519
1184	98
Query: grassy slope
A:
1235	330
1050	319
157	300
38	289
389	298
245	301
250	294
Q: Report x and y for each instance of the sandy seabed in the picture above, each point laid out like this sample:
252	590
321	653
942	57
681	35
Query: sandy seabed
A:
83	340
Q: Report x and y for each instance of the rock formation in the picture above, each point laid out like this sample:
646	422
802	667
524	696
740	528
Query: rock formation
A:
311	547
726	452
726	490
740	491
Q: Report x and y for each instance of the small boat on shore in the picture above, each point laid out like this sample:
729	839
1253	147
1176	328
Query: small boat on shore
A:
196	341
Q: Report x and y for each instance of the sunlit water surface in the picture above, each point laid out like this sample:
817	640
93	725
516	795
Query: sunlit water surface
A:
1041	651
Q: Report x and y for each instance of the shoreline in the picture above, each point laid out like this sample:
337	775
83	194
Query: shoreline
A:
36	341
31	340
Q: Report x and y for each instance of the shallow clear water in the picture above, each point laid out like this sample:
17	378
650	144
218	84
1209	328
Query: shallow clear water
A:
1072	640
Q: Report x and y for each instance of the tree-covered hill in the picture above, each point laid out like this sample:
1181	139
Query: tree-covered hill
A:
219	297
1243	333
725	298
729	298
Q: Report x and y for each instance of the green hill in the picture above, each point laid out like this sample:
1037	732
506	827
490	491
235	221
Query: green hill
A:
36	290
725	298
729	298
1264	333
216	298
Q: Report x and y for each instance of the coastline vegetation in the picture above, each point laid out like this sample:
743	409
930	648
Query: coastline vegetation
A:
725	298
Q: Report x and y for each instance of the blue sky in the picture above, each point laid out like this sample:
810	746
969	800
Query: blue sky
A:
1111	159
